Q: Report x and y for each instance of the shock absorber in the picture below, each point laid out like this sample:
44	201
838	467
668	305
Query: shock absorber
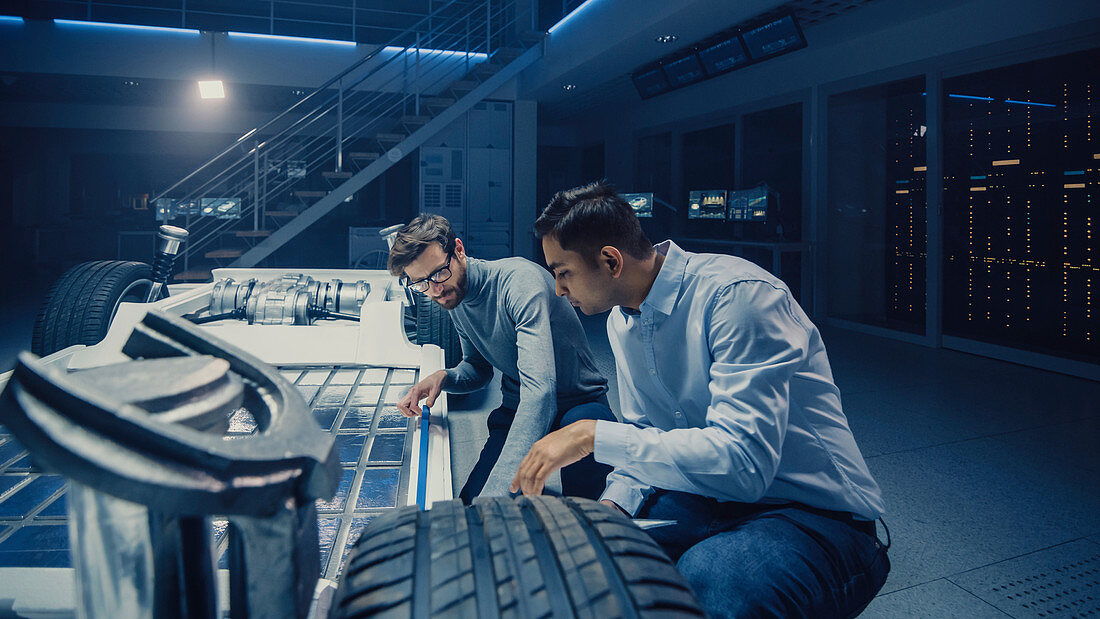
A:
169	239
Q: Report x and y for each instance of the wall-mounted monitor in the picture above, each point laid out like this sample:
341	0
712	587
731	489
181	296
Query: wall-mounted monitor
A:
684	69
642	203
773	37
749	204
650	81
723	54
707	204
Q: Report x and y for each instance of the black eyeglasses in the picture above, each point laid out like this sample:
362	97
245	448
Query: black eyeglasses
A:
439	276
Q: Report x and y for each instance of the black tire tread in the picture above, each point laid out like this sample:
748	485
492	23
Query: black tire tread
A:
549	557
79	306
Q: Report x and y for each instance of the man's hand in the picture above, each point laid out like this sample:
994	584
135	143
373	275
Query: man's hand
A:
427	390
552	452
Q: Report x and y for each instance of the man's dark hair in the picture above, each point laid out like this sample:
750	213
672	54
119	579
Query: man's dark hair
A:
585	219
414	238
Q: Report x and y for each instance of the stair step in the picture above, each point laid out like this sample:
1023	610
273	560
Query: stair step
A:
464	85
390	137
224	253
281	213
371	156
531	36
337	174
487	68
252	234
310	194
508	54
437	101
193	276
415	120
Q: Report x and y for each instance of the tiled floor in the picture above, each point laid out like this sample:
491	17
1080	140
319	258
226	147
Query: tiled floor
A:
989	471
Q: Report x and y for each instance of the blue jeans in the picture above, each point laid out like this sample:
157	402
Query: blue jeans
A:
755	560
584	478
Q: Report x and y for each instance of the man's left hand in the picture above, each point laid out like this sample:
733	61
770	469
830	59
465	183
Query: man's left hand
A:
552	452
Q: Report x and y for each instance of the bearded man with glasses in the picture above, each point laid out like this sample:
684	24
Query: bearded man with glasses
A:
507	317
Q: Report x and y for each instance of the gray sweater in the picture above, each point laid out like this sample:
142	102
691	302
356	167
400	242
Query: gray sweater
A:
511	319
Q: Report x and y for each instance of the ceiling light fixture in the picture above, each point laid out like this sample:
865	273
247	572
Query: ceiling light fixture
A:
211	89
667	38
569	87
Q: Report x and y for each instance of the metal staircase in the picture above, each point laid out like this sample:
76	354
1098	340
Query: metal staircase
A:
277	179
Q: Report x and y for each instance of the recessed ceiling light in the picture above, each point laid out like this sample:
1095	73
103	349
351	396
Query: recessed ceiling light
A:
297	92
569	87
130	83
211	89
667	38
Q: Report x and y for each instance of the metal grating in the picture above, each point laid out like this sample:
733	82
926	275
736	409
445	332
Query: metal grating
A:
1063	581
355	403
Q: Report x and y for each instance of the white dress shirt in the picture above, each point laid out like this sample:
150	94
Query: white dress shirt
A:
727	391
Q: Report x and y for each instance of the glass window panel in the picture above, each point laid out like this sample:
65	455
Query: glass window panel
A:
327	528
375	376
349	446
27	498
36	546
877	238
387	448
333	395
358	418
58	509
10	450
308	391
379	488
344	377
366	395
391	419
7	482
326	416
314	377
337	502
1021	265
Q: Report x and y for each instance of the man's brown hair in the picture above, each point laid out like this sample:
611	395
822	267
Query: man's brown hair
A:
414	238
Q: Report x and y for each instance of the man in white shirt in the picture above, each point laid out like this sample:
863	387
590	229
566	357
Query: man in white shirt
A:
733	429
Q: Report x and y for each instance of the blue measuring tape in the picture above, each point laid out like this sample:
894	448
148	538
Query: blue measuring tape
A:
422	472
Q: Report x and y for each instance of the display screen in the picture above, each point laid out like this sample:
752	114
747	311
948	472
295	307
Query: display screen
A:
684	70
707	204
723	55
774	37
642	203
651	81
749	204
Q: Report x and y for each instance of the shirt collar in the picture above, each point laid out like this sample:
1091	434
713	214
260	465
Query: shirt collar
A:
666	288
475	278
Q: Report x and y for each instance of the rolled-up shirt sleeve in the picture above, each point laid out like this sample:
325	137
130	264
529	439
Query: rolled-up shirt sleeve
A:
757	344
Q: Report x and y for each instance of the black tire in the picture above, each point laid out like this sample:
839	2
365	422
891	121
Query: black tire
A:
80	306
434	326
528	557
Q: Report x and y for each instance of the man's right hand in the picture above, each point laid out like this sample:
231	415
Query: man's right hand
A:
427	390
